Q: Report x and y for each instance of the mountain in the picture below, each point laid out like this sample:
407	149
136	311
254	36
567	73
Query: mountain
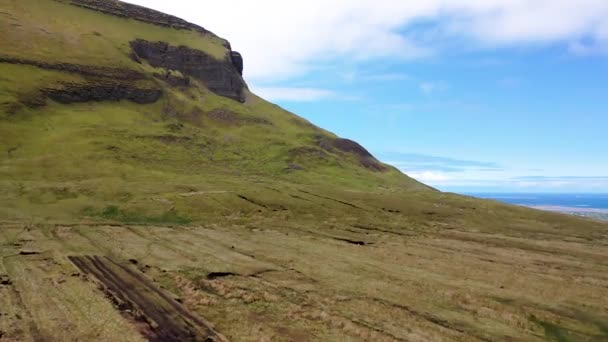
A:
147	193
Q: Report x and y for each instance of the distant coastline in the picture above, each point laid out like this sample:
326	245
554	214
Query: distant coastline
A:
586	205
562	209
594	213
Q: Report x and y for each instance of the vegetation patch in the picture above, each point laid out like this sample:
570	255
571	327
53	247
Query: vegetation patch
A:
553	332
115	213
231	118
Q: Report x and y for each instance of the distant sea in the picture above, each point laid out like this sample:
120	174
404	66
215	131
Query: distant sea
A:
588	205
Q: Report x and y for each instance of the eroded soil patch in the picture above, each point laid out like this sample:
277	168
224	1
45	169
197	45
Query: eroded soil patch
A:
133	293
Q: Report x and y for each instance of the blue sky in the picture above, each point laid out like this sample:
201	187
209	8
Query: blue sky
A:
496	95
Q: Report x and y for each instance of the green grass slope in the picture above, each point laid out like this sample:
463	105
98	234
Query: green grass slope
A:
309	227
181	141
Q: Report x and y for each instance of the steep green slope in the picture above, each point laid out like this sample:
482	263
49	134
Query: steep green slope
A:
130	134
166	127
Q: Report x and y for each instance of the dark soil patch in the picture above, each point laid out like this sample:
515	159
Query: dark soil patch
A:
354	242
216	275
113	212
273	207
135	295
168	139
333	199
28	253
293	167
363	227
5	280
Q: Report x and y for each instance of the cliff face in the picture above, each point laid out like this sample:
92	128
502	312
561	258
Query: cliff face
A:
218	68
222	77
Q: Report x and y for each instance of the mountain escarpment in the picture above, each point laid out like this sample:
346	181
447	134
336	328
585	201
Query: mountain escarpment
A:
147	194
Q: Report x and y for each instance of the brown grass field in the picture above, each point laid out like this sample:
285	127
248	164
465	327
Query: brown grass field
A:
275	280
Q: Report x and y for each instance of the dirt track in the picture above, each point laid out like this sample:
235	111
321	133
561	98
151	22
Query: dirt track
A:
131	292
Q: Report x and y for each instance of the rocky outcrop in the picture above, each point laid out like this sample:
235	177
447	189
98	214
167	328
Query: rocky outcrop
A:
175	81
99	84
220	76
84	70
98	91
350	146
237	61
365	158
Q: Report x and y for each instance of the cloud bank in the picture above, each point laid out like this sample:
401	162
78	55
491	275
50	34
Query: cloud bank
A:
459	175
293	93
282	39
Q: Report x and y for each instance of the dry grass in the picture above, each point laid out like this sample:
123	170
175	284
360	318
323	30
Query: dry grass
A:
298	283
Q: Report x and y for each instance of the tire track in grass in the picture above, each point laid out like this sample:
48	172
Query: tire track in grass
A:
133	293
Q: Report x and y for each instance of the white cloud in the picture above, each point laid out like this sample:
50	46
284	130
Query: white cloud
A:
507	181
293	94
280	39
430	177
388	77
451	174
353	76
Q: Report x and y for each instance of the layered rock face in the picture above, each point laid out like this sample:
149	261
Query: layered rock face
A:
220	76
223	77
237	61
101	84
102	91
81	69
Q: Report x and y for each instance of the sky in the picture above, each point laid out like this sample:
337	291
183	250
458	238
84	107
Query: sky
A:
463	95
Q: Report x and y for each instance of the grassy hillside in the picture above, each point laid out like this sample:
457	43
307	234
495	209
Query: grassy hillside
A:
89	151
264	226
